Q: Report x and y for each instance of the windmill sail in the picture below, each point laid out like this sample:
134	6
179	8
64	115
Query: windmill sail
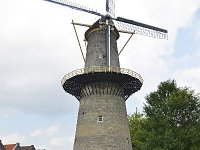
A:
110	7
140	28
120	23
75	6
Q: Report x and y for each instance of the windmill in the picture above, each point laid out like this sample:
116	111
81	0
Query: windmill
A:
102	87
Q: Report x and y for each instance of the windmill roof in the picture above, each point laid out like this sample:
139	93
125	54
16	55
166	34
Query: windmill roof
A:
98	24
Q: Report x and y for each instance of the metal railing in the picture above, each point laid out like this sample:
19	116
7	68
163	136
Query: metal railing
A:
100	69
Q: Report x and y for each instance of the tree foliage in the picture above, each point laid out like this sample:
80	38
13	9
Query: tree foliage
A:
135	121
171	120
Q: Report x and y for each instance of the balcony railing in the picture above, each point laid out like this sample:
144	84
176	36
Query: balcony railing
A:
101	69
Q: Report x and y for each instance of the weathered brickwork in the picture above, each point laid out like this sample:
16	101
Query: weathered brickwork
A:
103	87
96	49
110	134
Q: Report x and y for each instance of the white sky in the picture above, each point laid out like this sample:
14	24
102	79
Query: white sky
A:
38	47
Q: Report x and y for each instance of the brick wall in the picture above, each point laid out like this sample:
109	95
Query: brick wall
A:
110	134
96	49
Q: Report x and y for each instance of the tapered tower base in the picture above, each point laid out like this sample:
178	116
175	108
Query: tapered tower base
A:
102	122
102	118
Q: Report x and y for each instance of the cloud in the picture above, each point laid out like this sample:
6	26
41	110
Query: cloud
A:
190	78
43	147
56	141
198	32
14	138
51	131
192	74
35	57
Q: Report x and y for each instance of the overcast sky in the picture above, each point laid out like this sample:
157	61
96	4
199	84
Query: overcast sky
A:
38	47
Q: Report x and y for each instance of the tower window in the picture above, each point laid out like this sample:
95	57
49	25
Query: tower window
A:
127	140
100	119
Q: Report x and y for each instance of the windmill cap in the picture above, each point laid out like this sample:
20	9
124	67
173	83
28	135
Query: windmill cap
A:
99	25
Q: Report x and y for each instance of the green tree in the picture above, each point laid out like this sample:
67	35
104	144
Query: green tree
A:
172	119
135	122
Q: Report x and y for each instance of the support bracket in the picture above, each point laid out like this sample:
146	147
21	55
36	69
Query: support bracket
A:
78	41
126	42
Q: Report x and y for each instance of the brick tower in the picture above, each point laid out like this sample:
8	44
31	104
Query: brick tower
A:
102	91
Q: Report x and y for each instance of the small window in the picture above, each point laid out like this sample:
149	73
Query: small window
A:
127	140
100	119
